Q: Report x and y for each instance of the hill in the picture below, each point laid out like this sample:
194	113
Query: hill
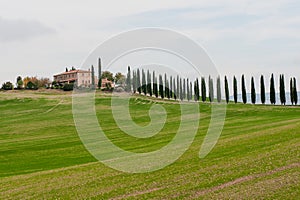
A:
257	155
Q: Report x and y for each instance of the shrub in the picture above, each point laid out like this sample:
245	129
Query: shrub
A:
31	86
7	86
68	87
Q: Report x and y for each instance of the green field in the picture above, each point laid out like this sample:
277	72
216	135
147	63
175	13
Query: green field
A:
42	157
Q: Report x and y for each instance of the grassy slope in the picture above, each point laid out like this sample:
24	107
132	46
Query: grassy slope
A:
258	154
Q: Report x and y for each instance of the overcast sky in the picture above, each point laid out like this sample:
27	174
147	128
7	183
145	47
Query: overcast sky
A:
41	38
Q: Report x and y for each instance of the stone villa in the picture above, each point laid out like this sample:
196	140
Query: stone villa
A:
79	77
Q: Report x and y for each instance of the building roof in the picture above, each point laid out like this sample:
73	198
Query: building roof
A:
73	71
67	80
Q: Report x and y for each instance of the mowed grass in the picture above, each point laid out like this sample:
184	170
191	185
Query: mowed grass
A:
42	157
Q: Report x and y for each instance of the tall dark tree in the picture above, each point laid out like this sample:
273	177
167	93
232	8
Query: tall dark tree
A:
128	80
295	92
235	89
188	89
171	87
226	90
161	87
93	76
191	90
282	90
166	87
144	84
262	90
180	89
184	90
253	92
197	92
138	81
174	89
99	74
203	89
67	69
134	82
244	93
292	91
272	90
155	89
219	98
149	83
211	89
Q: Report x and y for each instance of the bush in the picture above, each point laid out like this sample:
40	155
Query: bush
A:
68	87
7	86
31	86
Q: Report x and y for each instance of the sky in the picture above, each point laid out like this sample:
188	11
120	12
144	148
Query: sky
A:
41	38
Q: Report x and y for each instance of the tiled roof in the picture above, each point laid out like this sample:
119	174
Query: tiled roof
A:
68	80
73	72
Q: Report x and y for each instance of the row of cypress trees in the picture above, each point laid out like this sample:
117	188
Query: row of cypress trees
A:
282	93
148	83
143	82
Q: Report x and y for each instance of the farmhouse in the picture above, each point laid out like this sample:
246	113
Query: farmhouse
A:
79	77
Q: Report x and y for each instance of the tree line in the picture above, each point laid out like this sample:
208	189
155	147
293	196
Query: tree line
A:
168	87
29	83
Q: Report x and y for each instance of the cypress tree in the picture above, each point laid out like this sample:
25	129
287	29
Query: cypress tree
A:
219	98
197	90
144	84
282	89
128	80
203	89
184	90
161	87
235	89
244	93
191	90
180	89
262	90
226	90
295	93
272	91
99	74
155	88
171	87
253	93
166	87
93	77
174	89
292	91
211	89
188	89
149	83
138	81
134	81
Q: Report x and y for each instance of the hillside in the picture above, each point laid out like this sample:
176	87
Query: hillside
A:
257	155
